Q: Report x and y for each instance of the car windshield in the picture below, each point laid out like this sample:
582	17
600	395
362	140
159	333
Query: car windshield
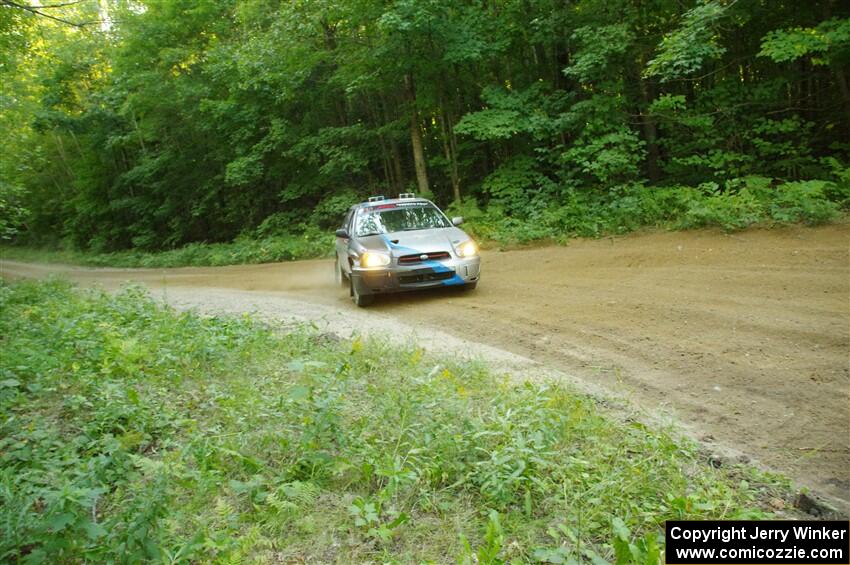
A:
377	221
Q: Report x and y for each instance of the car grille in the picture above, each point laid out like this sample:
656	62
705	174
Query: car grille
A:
425	277
413	259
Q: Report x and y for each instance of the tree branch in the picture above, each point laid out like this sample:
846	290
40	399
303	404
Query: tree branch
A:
57	5
35	10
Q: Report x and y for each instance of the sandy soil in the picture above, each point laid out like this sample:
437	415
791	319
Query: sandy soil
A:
744	339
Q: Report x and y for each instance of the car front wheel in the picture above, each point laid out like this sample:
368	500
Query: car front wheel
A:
361	300
339	275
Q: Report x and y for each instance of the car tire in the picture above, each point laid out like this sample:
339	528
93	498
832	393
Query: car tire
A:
339	275
361	300
470	286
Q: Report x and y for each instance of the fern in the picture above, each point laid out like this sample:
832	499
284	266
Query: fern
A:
298	494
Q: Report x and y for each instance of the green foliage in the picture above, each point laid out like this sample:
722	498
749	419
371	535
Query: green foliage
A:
375	521
82	418
244	170
491	546
13	214
508	113
693	43
598	46
518	186
336	151
244	250
735	205
820	43
838	191
521	211
803	202
713	208
645	551
131	432
329	212
609	159
212	123
783	144
490	124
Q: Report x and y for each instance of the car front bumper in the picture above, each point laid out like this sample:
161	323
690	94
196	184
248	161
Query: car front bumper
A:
428	274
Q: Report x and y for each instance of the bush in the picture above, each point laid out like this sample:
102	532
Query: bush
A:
729	211
803	201
737	204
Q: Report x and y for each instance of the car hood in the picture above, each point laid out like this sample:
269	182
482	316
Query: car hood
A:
418	241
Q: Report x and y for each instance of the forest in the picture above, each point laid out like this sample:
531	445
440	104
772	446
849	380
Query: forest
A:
155	124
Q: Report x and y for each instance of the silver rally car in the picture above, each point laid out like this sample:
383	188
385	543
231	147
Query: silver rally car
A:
399	244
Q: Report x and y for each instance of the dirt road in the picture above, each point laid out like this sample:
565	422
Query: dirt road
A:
743	338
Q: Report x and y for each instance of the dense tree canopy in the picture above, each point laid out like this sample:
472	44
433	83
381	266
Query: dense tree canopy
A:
155	123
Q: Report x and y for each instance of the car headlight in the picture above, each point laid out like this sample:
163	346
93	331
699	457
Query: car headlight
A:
468	249
374	259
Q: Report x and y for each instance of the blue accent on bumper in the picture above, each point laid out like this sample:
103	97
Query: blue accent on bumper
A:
455	280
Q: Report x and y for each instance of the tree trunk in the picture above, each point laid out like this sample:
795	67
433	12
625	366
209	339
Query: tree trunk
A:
841	79
650	132
385	157
396	159
449	148
646	92
138	131
395	155
63	156
416	137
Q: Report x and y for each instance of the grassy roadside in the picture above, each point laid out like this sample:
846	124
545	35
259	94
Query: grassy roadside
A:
272	249
129	431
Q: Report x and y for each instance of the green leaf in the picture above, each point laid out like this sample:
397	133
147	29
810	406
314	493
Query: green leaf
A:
620	529
400	519
94	531
299	392
685	50
60	521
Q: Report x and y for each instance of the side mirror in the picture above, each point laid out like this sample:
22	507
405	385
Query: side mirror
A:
457	220
342	232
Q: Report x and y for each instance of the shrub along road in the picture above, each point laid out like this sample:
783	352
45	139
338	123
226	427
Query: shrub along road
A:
742	338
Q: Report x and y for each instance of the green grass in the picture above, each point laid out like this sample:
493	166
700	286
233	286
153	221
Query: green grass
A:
130	432
272	249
